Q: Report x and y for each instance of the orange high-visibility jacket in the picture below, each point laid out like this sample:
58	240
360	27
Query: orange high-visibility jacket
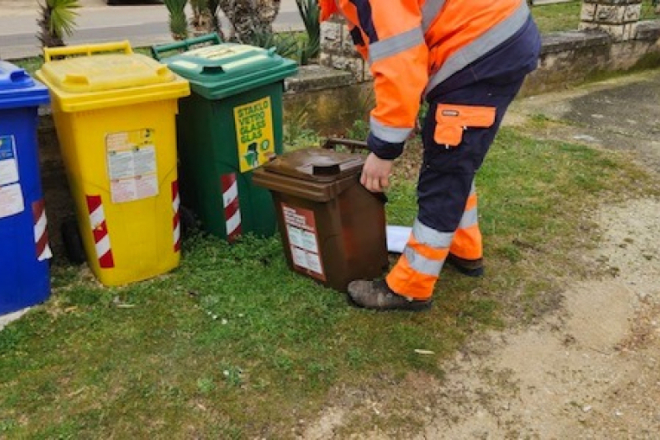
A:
414	45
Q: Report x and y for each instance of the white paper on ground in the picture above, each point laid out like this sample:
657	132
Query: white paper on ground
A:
397	237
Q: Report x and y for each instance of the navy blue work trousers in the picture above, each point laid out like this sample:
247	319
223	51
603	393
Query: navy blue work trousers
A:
447	174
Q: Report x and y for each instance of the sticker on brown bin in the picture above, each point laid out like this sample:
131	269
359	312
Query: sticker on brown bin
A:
303	240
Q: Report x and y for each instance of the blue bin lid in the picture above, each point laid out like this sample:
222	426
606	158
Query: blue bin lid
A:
18	89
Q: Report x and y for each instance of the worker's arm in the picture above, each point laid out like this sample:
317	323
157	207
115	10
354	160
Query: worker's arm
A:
398	59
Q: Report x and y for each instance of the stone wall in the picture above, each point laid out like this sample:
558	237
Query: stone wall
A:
567	58
337	50
618	18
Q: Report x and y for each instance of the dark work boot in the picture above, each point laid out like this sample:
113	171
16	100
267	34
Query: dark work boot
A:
377	295
471	268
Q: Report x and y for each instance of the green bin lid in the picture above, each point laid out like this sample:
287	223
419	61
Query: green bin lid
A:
223	70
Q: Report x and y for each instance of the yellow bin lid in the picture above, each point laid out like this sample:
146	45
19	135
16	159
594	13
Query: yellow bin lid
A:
97	76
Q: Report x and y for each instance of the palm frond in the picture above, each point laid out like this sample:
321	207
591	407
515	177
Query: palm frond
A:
310	12
57	19
175	6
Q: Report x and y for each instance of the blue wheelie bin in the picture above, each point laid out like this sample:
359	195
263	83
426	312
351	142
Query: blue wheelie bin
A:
24	249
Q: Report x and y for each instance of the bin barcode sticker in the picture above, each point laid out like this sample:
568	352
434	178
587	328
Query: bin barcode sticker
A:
11	194
132	168
254	133
303	241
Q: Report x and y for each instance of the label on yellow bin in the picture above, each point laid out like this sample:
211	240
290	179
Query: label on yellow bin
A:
254	133
132	165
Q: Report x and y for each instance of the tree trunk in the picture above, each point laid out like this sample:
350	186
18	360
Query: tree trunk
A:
45	36
250	17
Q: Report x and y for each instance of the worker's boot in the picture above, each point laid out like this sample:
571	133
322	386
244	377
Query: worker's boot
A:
377	295
471	268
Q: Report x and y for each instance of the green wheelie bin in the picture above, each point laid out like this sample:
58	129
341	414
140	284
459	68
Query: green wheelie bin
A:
229	126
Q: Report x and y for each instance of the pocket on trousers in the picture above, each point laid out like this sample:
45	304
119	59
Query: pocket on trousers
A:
452	120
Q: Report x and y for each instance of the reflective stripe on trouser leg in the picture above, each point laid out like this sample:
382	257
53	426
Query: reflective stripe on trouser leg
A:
418	268
467	241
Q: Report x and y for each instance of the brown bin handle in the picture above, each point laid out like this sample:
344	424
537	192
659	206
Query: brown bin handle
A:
352	144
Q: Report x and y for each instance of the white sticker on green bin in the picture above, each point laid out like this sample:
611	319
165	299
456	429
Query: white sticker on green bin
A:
254	133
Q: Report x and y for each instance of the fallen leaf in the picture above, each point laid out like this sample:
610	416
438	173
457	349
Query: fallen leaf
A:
425	352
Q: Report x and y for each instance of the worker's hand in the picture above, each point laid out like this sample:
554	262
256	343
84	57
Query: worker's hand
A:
376	173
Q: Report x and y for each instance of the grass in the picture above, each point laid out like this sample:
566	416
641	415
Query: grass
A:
566	16
234	345
557	17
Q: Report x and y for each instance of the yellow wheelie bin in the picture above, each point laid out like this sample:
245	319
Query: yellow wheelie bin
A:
114	113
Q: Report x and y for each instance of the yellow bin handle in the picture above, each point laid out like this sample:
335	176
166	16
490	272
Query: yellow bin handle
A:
87	49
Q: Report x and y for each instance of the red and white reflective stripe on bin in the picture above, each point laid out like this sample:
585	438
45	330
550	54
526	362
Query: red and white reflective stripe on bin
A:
176	221
100	232
40	230
231	205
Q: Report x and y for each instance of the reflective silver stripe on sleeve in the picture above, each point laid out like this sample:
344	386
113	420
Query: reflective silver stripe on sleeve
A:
470	218
430	237
481	46
473	188
392	135
430	11
422	264
396	44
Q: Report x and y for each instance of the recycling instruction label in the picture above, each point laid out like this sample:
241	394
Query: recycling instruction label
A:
132	165
303	241
254	133
11	193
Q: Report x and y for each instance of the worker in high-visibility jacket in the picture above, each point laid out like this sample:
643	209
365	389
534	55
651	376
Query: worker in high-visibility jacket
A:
468	60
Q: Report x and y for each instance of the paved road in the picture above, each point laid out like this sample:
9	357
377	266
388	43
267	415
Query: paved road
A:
142	23
622	113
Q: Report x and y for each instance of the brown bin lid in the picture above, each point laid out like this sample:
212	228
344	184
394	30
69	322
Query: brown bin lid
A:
316	164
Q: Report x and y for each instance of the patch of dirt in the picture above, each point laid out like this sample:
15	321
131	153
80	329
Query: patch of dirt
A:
587	371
